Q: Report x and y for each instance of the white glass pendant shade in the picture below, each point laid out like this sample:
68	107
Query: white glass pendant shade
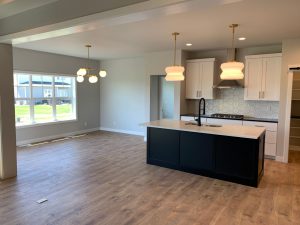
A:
232	71
93	79
80	79
174	73
81	72
102	73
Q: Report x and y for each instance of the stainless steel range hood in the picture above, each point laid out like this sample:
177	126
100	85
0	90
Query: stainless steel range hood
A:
228	84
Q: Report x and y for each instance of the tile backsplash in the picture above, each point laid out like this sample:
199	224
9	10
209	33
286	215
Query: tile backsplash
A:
232	101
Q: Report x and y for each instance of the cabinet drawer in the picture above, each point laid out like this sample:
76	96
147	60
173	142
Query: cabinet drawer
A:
268	126
270	149
271	137
222	121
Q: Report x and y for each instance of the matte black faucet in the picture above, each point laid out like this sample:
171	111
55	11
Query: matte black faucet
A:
203	110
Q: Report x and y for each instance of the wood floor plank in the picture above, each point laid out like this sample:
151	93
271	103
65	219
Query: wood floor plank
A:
103	178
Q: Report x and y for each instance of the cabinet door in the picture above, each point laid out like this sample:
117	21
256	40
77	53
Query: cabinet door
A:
197	151
253	78
207	80
163	147
271	78
192	80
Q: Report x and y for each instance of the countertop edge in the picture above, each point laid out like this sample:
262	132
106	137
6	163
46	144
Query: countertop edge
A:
206	131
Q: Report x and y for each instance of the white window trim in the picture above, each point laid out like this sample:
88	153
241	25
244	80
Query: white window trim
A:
34	124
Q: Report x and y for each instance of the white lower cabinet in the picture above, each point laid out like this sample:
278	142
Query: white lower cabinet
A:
271	135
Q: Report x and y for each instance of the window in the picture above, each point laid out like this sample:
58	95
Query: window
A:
41	98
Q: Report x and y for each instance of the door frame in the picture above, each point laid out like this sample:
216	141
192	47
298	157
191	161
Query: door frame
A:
287	124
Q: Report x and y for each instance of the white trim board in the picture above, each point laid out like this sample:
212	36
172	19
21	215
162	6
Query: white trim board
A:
122	131
46	138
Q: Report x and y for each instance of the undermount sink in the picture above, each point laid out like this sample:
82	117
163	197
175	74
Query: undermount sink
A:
212	125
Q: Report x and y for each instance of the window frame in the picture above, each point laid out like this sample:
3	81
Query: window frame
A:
31	99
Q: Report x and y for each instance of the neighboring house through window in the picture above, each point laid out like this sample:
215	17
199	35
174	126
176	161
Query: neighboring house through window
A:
43	98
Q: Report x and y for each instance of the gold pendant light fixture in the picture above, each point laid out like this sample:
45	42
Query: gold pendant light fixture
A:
82	72
174	73
232	70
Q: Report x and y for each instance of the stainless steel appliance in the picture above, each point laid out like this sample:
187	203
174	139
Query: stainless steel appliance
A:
227	116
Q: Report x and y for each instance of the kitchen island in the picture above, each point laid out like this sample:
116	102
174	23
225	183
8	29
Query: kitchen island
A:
229	152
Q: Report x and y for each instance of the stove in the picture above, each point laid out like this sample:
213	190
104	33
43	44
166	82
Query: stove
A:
227	116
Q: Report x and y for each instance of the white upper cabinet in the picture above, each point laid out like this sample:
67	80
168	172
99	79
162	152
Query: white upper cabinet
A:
200	78
262	77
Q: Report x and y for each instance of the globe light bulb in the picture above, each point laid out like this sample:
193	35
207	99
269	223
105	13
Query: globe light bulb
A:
80	79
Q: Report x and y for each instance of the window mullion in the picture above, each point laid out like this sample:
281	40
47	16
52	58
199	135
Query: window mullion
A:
54	98
31	104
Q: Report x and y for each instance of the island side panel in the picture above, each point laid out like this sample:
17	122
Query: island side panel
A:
163	147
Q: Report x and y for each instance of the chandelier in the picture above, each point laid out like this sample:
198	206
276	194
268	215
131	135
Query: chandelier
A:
88	71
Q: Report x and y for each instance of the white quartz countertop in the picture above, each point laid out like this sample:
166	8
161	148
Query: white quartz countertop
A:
225	130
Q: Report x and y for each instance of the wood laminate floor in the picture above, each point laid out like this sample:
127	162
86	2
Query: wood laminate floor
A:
102	178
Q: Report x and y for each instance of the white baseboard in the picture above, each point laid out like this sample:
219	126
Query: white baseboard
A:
46	138
122	131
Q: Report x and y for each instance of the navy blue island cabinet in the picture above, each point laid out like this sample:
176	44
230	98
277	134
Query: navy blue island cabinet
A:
235	159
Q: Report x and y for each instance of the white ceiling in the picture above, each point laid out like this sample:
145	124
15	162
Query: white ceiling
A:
13	7
263	22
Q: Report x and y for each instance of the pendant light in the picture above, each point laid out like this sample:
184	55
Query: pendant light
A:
232	70
174	73
93	78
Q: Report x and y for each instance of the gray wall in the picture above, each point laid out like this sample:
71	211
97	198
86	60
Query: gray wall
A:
224	102
8	163
122	95
88	103
125	96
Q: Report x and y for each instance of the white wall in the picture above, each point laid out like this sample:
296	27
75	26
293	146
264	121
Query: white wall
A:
88	101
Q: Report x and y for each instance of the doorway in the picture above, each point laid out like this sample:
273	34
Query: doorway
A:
161	98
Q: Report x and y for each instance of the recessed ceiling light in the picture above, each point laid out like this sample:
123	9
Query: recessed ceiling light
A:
188	44
242	38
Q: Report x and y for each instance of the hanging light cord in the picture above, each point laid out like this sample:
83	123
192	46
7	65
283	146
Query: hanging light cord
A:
233	26
175	46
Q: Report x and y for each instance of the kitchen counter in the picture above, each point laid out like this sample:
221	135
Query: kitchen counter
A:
232	152
225	130
246	118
